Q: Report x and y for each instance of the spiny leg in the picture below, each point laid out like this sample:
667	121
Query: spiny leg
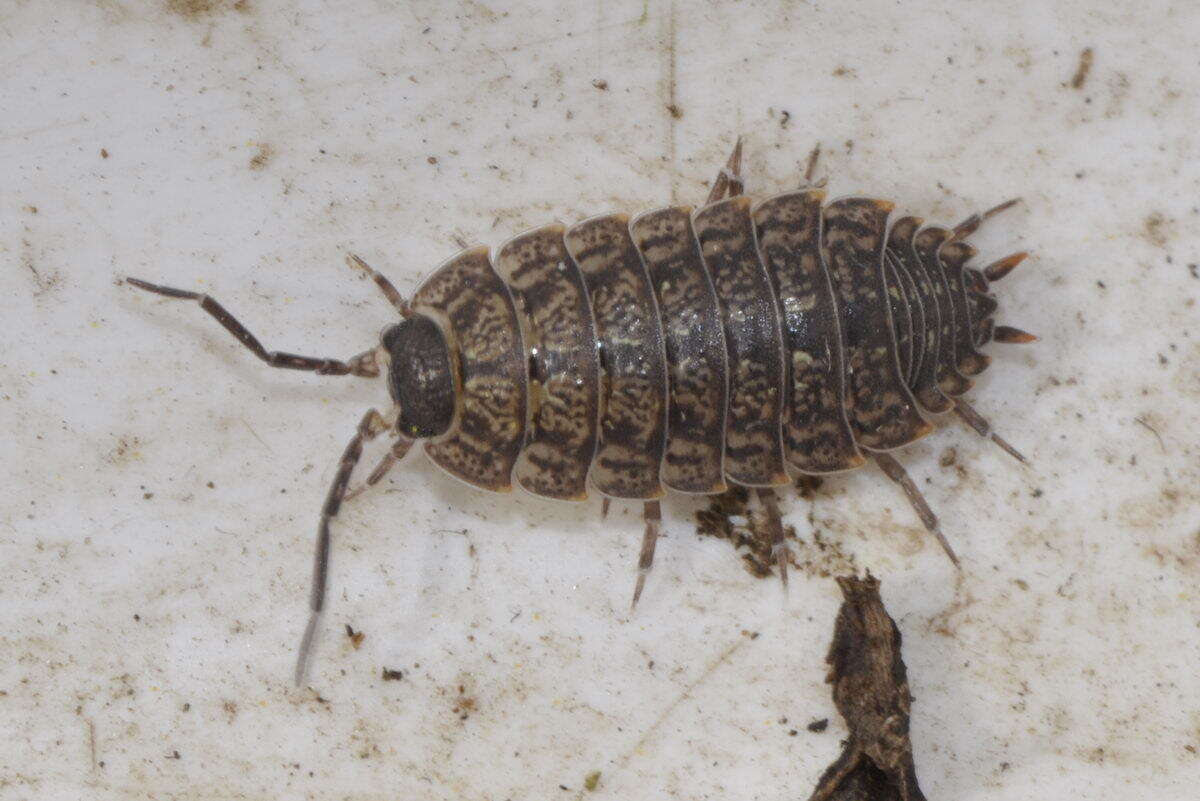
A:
653	515
896	472
369	427
385	286
982	427
811	169
769	511
972	223
362	365
729	179
398	451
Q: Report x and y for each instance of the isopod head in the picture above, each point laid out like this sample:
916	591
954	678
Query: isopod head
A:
421	377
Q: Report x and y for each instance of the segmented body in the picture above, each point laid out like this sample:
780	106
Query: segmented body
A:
687	349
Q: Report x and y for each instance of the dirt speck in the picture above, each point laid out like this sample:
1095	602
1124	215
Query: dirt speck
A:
194	9
103	153
262	157
1156	229
388	674
591	781
1085	67
729	517
600	84
675	111
125	451
355	637
230	709
842	71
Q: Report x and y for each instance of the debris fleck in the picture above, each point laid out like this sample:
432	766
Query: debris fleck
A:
262	157
591	781
818	726
1085	67
600	84
356	638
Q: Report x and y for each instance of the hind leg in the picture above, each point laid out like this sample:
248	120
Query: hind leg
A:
765	506
984	429
653	515
896	472
729	179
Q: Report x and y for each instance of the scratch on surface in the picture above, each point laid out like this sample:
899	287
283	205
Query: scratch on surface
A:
670	100
721	659
254	434
91	727
1153	431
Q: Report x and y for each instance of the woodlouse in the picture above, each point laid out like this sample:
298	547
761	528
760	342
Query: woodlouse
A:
683	349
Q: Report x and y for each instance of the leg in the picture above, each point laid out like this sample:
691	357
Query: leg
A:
972	223
389	291
811	169
982	427
767	509
896	472
362	365
604	504
399	450
729	178
369	427
653	515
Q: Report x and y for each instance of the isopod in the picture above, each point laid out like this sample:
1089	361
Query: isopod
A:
683	349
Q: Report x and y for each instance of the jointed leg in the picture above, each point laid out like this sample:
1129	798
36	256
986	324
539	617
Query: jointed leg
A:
729	179
389	291
369	427
653	515
982	427
362	365
398	451
896	472
811	169
767	510
972	223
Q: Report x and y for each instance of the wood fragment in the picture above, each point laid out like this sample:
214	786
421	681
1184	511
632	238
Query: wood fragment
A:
870	690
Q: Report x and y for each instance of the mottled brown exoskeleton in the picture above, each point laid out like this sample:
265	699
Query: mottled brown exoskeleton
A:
680	350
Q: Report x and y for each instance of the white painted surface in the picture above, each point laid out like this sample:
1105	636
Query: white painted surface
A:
146	613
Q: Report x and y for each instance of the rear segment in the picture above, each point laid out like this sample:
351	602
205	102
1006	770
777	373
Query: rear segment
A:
880	406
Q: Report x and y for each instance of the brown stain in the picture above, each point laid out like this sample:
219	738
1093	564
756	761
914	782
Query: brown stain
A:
1156	229
202	9
1084	68
669	92
262	157
125	451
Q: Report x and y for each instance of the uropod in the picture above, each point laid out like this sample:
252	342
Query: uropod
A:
683	349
